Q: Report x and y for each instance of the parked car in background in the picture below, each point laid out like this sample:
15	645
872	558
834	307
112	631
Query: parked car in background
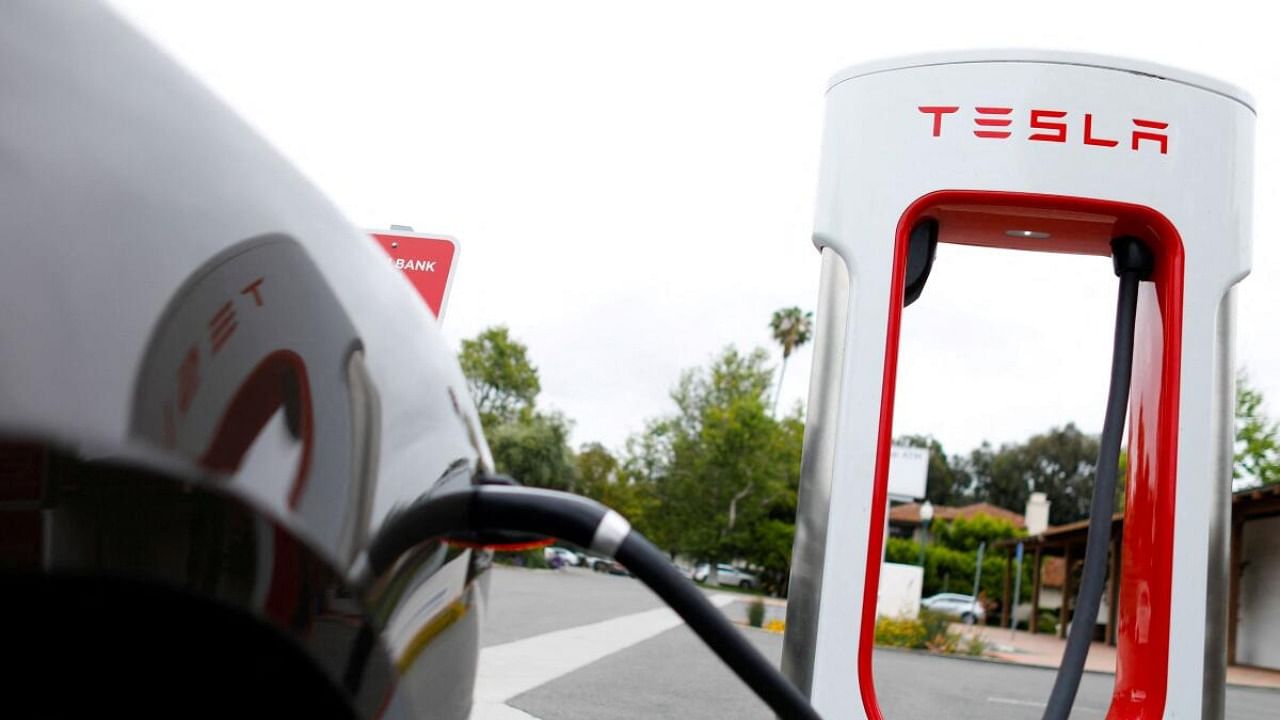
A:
591	562
728	575
965	607
564	556
612	567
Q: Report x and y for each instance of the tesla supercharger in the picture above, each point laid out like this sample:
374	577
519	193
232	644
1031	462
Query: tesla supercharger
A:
1049	152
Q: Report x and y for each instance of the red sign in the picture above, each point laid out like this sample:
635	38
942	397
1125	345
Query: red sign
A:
427	260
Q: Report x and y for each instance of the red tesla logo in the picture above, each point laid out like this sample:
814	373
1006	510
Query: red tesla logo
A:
997	123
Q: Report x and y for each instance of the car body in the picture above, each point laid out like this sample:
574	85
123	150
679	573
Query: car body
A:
215	392
727	575
964	607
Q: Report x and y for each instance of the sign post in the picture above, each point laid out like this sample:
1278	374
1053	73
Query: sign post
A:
427	260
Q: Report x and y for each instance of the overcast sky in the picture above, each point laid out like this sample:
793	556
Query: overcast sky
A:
633	185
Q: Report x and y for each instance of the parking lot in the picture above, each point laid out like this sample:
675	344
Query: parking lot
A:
603	646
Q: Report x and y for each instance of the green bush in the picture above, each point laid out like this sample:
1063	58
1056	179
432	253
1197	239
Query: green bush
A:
930	631
976	647
755	613
901	632
1048	622
935	624
523	558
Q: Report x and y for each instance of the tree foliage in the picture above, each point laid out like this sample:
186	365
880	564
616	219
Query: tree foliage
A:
791	328
502	381
602	477
967	533
528	444
534	450
1059	463
722	471
1257	451
951	557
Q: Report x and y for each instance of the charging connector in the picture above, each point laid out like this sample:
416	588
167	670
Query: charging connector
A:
1133	262
491	512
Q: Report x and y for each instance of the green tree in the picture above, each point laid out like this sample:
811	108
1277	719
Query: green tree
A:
947	482
597	468
600	476
1059	463
534	450
1257	451
722	471
966	534
527	444
791	327
502	381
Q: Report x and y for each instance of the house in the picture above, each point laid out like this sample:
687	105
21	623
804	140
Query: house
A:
1253	614
904	520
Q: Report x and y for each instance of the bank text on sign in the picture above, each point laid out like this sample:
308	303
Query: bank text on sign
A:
427	260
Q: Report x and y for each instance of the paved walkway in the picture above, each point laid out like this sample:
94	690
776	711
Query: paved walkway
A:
1042	650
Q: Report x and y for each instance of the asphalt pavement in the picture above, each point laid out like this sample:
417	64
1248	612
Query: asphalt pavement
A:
671	674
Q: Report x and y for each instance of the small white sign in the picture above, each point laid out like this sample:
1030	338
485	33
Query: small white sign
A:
908	471
899	592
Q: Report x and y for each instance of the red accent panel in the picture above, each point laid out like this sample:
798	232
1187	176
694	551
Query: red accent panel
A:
991	134
503	547
1143	617
1082	226
880	494
280	380
994	110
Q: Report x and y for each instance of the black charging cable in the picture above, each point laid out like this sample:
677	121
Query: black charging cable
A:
489	513
1133	263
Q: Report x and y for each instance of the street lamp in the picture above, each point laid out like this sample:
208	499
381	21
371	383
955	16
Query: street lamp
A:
926	516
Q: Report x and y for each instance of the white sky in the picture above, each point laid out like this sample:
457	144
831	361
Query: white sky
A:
633	185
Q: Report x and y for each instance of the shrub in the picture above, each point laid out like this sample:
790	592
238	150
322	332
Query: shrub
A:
1048	623
523	558
930	631
755	613
976	646
935	623
901	632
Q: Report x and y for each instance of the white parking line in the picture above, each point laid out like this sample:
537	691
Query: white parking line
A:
506	671
1034	704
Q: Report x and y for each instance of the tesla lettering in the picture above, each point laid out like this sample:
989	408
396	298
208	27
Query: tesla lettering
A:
1049	125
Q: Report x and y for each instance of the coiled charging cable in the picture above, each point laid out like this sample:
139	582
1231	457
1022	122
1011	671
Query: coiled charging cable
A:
1133	263
489	513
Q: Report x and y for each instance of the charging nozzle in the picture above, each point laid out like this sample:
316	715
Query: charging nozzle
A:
922	246
1129	254
1133	263
490	511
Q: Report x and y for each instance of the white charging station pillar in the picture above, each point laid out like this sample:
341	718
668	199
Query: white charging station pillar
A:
1048	152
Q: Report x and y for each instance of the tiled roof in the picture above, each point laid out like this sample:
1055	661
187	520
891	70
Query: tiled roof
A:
909	514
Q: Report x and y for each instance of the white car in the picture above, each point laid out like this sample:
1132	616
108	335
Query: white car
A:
727	575
567	557
965	607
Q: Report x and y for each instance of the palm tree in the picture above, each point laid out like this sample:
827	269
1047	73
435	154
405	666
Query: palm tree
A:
792	328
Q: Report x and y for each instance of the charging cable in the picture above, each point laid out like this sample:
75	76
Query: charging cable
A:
1133	263
490	512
